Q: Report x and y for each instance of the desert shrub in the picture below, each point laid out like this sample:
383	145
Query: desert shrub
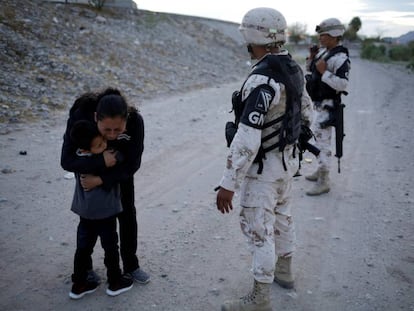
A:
97	3
399	53
410	65
374	52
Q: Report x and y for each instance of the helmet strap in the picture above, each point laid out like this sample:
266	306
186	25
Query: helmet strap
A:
273	45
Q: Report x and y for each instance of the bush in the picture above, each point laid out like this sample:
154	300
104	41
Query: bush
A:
374	52
97	3
399	53
410	65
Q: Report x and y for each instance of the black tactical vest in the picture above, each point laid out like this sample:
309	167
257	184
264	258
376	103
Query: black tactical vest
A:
317	89
283	69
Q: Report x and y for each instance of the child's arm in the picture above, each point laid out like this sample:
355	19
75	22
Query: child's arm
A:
71	162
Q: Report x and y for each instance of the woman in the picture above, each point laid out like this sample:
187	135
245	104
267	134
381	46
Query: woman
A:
123	128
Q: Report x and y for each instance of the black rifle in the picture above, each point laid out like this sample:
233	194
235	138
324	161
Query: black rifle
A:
311	148
339	130
336	119
304	137
303	144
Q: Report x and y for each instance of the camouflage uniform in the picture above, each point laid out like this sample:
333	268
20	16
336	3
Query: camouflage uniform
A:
265	217
338	82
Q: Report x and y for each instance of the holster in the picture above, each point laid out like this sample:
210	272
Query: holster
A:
230	132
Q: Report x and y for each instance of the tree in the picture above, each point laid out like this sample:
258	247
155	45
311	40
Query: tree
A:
97	3
355	24
297	32
353	27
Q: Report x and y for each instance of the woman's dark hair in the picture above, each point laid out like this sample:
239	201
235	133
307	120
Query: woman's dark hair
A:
111	104
82	134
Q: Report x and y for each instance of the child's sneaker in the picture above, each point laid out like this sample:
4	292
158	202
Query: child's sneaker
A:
121	286
93	277
79	290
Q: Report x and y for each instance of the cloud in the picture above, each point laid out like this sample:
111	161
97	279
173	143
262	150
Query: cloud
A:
384	17
386	23
386	5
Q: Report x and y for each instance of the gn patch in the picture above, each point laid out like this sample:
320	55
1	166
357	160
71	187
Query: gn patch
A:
257	105
263	101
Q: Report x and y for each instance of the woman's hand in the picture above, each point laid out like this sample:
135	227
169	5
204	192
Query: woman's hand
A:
89	182
109	157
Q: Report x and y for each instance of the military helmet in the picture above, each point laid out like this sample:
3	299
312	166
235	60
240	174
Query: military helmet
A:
332	27
262	26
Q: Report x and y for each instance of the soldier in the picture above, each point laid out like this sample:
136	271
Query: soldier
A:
262	161
329	67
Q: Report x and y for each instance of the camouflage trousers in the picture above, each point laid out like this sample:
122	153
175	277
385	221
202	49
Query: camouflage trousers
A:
267	223
323	139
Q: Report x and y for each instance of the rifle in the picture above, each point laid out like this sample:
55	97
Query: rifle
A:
311	148
339	129
336	119
304	137
303	144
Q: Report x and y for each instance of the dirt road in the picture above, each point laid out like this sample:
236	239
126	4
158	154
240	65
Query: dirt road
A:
355	244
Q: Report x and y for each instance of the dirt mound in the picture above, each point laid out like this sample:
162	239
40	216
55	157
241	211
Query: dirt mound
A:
52	52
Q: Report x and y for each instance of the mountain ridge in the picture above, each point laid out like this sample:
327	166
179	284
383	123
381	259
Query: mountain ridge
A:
405	38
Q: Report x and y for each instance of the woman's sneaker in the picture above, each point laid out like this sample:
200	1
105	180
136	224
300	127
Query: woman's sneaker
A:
81	289
121	286
140	276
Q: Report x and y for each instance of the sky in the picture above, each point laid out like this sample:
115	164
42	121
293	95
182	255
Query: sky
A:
384	18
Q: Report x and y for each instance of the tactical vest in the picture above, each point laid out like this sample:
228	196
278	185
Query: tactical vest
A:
283	69
317	89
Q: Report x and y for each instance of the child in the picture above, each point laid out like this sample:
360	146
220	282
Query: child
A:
97	209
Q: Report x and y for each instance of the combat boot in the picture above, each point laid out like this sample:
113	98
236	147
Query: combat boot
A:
314	176
257	300
283	272
322	185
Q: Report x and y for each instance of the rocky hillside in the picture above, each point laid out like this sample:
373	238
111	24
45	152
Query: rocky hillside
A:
50	53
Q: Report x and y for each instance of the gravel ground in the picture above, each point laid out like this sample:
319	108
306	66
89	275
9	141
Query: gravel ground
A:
355	244
50	53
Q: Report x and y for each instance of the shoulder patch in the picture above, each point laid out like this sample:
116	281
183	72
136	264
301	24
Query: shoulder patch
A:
264	99
257	105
